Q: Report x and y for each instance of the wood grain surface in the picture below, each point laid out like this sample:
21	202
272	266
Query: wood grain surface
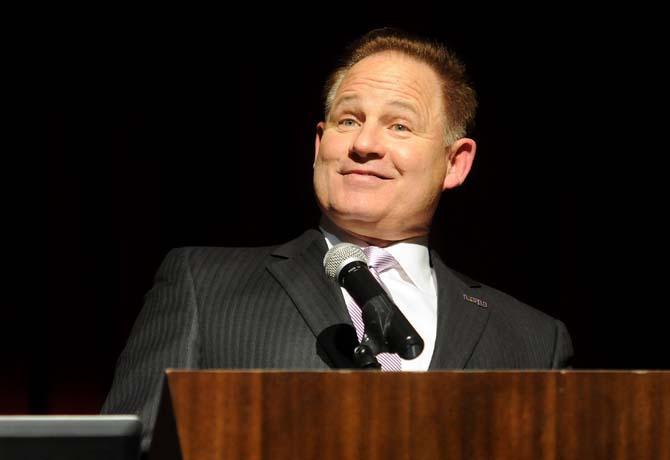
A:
423	415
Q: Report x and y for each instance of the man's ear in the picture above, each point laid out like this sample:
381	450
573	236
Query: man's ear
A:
460	156
317	139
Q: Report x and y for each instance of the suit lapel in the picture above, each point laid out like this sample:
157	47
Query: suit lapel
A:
461	318
298	268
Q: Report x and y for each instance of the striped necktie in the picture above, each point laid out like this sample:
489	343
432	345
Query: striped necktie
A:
379	260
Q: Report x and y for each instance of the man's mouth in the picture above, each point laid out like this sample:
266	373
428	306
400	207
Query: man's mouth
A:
365	172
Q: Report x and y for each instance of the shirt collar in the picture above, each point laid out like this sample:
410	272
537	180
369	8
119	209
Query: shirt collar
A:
411	254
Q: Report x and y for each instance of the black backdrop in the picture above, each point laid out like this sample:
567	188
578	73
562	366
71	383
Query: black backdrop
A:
198	135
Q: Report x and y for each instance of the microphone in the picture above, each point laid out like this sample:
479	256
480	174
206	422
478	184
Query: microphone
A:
385	325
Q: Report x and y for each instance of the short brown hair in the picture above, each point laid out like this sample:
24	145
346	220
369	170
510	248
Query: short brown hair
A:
460	100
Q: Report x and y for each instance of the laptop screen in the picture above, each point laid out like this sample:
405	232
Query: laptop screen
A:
56	437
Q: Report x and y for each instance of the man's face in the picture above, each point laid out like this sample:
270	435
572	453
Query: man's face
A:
380	157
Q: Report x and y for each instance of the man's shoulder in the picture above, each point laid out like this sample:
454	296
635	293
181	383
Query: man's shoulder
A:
216	257
514	334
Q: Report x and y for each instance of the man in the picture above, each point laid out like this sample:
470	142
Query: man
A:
391	143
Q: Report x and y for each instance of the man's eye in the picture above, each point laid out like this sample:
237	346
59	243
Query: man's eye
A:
399	127
347	123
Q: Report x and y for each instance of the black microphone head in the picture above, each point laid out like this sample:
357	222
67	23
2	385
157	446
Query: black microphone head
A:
339	256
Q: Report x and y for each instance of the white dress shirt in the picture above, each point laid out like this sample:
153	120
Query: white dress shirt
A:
413	289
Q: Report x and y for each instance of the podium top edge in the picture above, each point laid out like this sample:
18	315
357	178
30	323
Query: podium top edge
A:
455	371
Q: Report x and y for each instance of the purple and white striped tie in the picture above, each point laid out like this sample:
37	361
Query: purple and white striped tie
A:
379	260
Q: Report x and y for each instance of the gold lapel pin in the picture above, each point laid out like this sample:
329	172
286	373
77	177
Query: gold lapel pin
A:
475	300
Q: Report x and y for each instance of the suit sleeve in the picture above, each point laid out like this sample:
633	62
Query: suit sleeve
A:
165	335
563	351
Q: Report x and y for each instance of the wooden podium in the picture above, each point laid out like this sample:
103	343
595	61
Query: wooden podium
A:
414	415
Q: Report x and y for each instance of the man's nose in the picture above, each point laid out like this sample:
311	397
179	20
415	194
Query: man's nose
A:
368	142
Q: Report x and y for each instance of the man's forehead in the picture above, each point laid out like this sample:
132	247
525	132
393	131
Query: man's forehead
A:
355	100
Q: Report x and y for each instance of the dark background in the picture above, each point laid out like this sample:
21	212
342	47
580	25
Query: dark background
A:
185	133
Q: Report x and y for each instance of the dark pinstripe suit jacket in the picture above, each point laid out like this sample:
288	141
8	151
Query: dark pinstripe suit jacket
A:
265	307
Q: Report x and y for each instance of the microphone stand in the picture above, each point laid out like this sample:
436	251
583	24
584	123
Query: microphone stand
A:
376	321
365	358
